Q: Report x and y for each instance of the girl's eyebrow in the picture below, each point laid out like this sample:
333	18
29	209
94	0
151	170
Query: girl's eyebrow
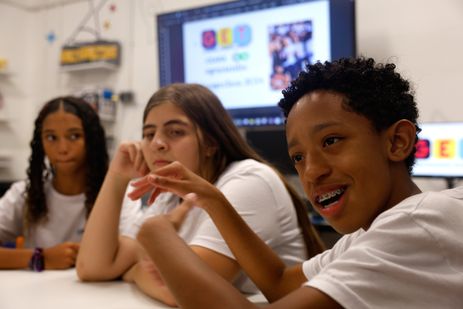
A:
148	126
67	130
176	121
170	122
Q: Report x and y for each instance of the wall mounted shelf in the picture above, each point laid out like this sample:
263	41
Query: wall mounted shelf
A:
105	66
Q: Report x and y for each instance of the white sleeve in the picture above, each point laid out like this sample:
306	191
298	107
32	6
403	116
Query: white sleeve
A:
313	266
131	213
134	213
254	200
397	263
11	212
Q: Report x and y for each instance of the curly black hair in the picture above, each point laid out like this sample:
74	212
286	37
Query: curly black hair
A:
373	90
97	158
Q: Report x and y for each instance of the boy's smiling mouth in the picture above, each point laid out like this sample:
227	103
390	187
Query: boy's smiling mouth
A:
330	198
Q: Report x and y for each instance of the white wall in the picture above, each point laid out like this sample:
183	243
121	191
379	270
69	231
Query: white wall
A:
18	88
424	38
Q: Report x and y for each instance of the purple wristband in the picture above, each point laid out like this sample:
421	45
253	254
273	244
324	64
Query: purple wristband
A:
37	261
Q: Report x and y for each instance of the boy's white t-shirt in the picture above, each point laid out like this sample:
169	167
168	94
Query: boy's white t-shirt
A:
260	197
410	257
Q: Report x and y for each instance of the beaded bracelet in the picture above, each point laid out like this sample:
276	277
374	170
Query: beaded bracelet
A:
37	261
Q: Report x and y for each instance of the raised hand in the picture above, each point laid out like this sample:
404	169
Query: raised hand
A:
61	256
179	180
129	161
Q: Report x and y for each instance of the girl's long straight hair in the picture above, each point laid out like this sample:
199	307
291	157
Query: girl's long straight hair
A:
206	111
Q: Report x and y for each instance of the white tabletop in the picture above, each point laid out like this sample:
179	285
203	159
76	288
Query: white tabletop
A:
24	289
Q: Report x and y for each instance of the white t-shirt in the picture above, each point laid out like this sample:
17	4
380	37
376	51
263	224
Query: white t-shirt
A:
260	197
410	257
66	217
131	214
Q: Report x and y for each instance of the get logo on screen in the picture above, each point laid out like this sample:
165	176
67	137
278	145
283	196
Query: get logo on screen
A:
439	148
240	35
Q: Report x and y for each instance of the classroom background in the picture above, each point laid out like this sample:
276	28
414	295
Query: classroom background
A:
423	37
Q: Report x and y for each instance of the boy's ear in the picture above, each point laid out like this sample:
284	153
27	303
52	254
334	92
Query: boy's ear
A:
401	137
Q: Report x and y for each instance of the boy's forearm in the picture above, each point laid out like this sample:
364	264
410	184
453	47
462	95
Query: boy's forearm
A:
192	282
256	258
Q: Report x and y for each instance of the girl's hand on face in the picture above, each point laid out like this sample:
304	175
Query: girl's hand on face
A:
179	180
129	161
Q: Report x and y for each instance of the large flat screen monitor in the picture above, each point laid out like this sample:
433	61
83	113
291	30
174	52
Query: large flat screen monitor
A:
246	52
440	150
271	144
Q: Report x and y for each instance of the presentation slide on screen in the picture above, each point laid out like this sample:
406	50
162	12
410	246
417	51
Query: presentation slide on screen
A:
250	57
440	150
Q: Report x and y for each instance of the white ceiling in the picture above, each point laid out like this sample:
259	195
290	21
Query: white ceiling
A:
36	5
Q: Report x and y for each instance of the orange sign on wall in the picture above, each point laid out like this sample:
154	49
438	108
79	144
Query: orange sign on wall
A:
99	51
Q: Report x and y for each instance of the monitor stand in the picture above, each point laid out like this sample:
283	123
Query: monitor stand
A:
450	182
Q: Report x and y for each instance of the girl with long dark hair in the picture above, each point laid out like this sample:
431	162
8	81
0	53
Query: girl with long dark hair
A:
48	210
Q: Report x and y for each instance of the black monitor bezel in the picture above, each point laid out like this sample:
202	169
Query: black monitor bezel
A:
171	67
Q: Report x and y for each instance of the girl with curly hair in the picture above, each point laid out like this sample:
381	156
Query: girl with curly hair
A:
48	210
